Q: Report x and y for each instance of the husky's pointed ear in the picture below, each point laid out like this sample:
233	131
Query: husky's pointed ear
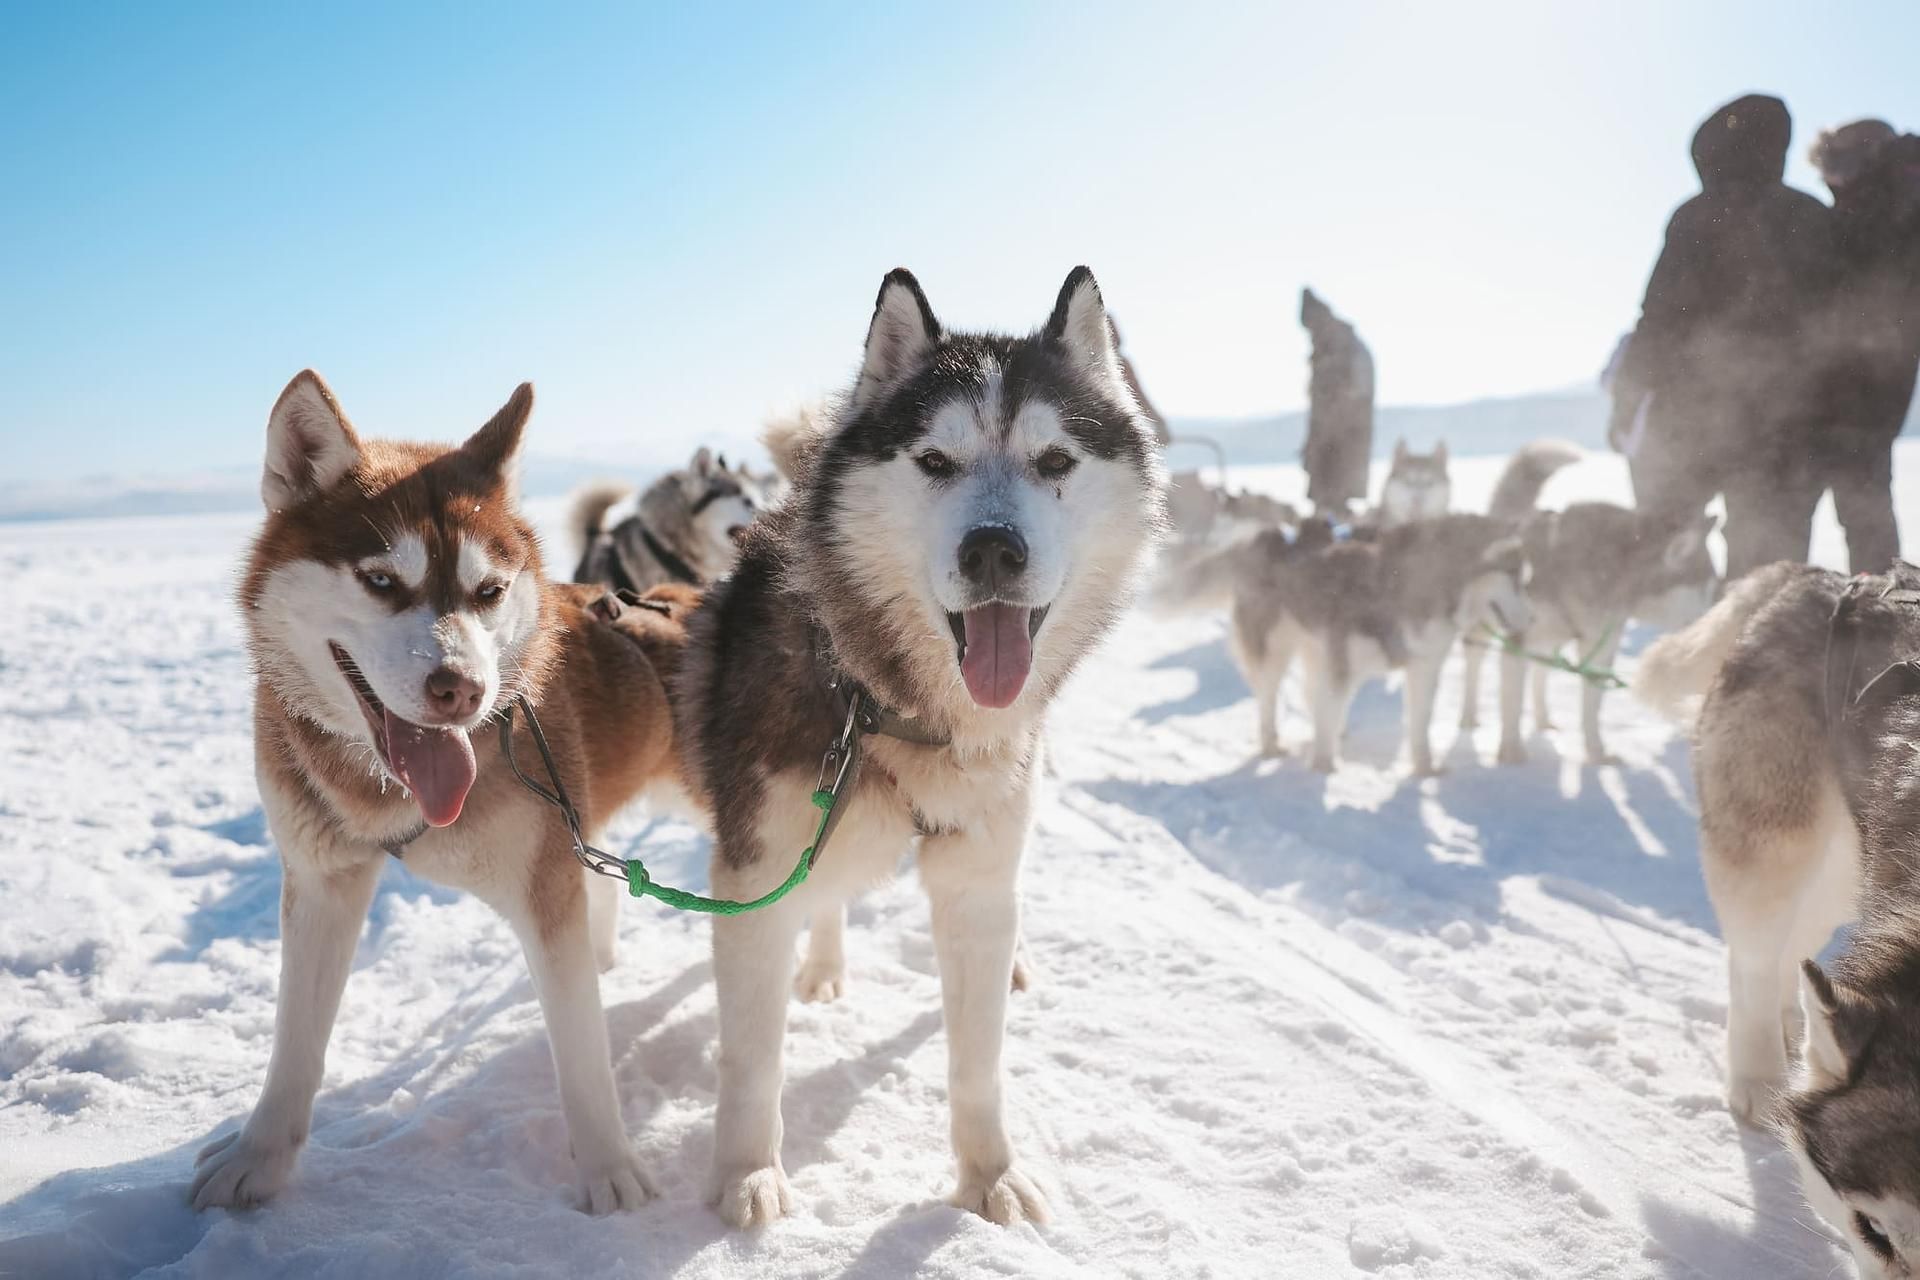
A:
1440	453
496	446
1079	323
1839	1025
1399	451
899	336
1685	544
702	464
310	444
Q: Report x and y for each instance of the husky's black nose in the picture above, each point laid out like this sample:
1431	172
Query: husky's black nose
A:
992	555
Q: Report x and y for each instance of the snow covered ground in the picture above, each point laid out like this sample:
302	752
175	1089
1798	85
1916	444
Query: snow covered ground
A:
1285	1026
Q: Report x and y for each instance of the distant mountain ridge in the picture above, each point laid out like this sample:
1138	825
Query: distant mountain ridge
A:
1494	426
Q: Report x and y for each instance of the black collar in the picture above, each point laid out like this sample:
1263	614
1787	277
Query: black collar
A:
870	714
677	569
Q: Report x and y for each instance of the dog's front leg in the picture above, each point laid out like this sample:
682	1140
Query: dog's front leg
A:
320	916
553	931
753	972
1513	690
970	879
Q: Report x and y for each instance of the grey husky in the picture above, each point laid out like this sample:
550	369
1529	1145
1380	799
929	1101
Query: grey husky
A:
956	541
1591	569
1418	485
685	527
1810	818
1353	608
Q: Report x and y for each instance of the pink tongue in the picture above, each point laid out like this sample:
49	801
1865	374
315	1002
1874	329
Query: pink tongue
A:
435	764
999	652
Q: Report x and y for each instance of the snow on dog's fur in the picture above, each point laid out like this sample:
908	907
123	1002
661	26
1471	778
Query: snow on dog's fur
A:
395	604
958	538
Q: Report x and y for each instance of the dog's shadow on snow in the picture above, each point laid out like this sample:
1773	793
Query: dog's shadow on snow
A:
1782	1239
247	906
1624	837
1217	681
391	1145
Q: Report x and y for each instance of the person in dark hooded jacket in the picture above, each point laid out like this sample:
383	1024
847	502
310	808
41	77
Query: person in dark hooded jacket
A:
1874	328
1339	409
1722	347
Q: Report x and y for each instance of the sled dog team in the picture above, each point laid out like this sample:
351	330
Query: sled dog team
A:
961	530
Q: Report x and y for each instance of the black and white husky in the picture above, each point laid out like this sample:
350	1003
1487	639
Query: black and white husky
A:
1809	819
957	539
685	527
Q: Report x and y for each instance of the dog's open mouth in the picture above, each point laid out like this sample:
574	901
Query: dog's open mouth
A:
996	649
436	765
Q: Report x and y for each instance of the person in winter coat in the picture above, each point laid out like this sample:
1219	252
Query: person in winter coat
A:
1723	344
1339	409
1874	328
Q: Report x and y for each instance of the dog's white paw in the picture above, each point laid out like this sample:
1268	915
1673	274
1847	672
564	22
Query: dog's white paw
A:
1006	1200
238	1173
1321	764
820	983
1751	1098
1022	976
754	1197
1469	719
1512	753
615	1184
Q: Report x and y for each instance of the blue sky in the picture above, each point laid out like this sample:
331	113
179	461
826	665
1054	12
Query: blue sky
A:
674	220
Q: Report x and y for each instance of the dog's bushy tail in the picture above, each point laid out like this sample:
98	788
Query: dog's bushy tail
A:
793	438
1678	669
587	515
1192	583
1527	473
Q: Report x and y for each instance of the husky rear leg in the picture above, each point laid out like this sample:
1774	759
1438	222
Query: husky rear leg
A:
1779	894
1591	692
823	974
1423	682
1263	664
1329	697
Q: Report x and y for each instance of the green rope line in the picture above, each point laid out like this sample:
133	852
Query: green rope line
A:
1602	676
641	885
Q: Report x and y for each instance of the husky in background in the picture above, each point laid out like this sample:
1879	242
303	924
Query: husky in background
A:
1810	818
1353	611
1591	569
1418	486
685	527
1516	498
395	605
956	542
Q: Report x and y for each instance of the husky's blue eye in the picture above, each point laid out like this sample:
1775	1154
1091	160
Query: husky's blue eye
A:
490	593
1055	463
377	581
935	463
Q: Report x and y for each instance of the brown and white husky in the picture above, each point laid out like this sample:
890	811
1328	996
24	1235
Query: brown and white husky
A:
395	607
